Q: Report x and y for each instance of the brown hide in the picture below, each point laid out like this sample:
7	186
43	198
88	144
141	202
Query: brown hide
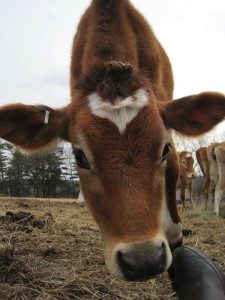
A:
144	53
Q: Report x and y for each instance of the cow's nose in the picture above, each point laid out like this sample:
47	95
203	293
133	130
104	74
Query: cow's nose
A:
142	261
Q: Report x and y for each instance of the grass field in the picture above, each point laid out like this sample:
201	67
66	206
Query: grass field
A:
51	249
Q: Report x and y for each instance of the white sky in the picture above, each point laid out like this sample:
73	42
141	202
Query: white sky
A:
36	39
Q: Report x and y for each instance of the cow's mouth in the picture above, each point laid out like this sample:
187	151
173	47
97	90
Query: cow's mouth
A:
177	244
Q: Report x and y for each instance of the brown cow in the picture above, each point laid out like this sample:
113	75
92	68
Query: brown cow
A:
186	176
219	152
119	123
213	172
211	161
201	155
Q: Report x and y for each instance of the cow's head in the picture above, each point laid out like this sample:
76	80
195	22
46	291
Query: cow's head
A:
186	165
127	165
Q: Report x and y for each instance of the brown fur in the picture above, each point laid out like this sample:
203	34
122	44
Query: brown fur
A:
107	33
126	185
23	125
195	115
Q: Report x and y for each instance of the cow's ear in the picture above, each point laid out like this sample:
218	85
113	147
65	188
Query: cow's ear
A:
194	115
33	128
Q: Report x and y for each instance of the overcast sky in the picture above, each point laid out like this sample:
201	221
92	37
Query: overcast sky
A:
36	39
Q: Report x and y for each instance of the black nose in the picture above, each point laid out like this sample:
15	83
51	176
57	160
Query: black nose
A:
142	261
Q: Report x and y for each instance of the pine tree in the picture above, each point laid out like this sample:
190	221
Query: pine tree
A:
16	172
4	160
40	175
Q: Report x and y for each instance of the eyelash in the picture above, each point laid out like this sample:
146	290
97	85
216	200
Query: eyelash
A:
81	159
166	151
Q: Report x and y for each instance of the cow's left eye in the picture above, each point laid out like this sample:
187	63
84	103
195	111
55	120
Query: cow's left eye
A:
81	159
165	151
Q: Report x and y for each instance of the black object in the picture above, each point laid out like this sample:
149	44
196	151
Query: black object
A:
195	276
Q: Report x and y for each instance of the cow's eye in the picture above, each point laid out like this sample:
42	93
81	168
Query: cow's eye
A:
81	159
165	151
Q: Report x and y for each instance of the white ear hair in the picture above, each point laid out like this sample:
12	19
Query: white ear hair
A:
46	119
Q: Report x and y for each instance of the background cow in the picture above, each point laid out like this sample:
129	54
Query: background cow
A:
213	172
211	161
216	156
119	123
201	155
186	176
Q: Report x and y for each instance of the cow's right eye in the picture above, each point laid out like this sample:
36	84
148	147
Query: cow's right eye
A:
81	159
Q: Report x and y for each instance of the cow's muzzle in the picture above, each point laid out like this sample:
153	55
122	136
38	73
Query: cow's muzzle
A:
143	260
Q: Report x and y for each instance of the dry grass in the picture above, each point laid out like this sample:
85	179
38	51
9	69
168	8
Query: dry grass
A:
55	252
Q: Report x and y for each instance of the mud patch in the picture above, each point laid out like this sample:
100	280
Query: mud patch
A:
23	205
52	252
22	219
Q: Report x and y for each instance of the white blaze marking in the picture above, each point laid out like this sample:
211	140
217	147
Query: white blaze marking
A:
123	112
188	155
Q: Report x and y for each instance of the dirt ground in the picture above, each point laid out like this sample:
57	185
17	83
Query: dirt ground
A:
51	249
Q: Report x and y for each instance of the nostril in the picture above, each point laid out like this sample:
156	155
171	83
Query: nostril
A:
120	257
126	262
162	257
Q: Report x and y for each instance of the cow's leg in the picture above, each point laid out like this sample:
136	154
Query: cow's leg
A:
219	193
211	194
205	199
205	192
182	196
190	189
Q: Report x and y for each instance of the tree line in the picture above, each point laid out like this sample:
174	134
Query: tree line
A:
40	175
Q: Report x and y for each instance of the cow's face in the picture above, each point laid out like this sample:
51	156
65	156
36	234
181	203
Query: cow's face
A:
121	152
126	164
186	165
